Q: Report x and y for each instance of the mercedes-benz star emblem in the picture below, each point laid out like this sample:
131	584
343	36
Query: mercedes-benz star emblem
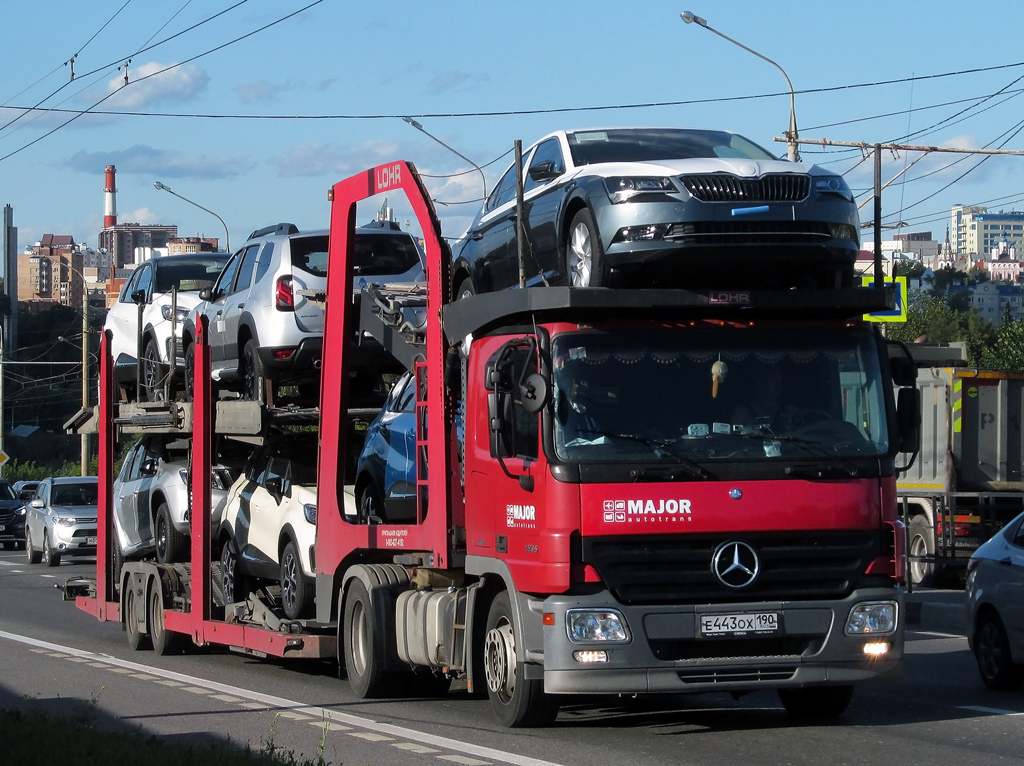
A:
735	564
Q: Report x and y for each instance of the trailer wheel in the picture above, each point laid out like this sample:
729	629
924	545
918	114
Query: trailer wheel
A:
136	640
364	644
584	253
170	543
816	701
165	642
992	651
296	593
516	700
922	543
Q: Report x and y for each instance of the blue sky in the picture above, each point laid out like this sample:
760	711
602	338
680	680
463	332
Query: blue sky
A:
357	60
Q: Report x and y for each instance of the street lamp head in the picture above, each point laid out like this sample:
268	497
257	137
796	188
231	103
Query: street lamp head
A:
160	186
689	17
411	121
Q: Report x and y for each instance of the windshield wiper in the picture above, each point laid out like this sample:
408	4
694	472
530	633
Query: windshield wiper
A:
662	449
815	470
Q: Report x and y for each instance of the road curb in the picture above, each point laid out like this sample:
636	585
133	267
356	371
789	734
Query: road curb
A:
936	614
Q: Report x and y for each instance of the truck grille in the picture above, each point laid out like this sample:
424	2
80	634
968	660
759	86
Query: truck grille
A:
717	233
673	650
677	569
736	675
725	188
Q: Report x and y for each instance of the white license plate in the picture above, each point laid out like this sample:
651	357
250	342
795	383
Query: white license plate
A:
758	623
90	541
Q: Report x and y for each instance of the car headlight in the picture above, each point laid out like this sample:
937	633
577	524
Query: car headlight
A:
623	188
309	511
20	511
65	521
833	185
585	625
181	315
872	618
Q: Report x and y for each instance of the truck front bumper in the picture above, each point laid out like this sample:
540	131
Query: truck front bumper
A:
666	653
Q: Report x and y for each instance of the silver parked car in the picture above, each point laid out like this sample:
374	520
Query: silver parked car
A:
167	289
61	519
266	322
151	500
995	607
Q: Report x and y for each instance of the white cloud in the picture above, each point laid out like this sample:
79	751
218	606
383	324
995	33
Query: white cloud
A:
146	160
141	215
149	84
260	90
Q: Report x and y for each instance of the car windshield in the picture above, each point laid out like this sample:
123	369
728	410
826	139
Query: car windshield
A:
715	393
589	147
188	276
74	494
6	493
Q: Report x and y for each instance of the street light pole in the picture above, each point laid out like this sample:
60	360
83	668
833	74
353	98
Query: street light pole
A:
166	188
793	151
420	128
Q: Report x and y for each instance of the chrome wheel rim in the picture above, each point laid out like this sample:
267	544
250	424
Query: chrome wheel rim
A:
151	374
918	547
582	256
227	574
500	660
289	584
359	639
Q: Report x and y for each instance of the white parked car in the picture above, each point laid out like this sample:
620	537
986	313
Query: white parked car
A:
995	607
152	286
269	523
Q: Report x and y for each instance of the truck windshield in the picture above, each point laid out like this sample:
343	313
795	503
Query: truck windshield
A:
717	393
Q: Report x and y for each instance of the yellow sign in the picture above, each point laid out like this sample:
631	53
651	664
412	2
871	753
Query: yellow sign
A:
898	314
4	457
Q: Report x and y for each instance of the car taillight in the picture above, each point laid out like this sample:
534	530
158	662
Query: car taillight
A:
284	298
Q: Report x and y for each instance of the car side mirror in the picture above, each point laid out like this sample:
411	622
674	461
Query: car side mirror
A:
148	467
138	297
274	486
544	171
37	503
206	294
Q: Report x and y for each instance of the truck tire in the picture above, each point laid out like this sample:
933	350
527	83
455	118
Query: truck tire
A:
921	543
136	641
165	642
583	252
296	591
816	701
516	700
992	651
364	640
171	545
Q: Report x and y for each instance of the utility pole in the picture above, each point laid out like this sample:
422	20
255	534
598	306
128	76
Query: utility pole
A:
85	371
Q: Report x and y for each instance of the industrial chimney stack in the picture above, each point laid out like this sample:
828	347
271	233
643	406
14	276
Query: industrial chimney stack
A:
109	201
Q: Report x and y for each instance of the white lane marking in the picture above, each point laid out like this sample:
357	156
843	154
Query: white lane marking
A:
320	713
254	705
8	564
414	748
225	698
165	682
370	736
330	726
463	760
52	577
938	634
293	715
989	710
196	689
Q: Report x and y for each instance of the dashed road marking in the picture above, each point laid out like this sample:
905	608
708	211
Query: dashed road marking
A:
225	698
255	705
330	726
311	714
414	747
76	659
370	736
165	682
122	671
51	577
8	564
463	760
143	676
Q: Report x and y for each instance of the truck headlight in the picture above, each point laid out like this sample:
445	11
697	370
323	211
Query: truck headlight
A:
585	625
872	618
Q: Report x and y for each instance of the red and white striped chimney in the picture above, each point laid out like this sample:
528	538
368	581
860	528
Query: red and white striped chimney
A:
109	201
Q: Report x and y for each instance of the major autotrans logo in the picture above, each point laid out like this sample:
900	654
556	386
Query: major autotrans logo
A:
521	516
670	510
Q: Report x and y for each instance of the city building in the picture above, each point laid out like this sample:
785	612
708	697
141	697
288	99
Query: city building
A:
974	230
121	240
192	245
994	302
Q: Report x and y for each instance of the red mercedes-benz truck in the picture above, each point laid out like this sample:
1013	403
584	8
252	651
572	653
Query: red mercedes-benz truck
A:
617	491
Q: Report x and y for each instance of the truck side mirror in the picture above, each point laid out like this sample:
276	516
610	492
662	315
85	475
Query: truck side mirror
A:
908	417
534	393
499	415
904	371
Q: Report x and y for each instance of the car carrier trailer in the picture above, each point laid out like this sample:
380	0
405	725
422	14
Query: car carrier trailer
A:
544	561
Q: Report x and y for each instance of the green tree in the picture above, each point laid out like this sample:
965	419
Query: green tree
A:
1007	350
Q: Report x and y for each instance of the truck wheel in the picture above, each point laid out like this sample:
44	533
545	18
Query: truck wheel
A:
364	645
992	650
516	700
136	640
152	373
50	557
171	544
922	543
31	554
585	257
234	583
296	593
816	701
165	642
